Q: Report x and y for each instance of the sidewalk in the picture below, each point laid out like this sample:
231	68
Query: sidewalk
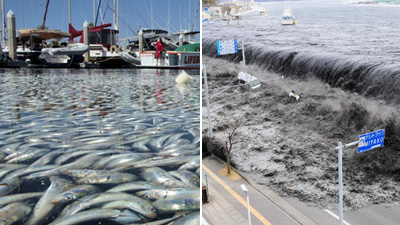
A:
227	202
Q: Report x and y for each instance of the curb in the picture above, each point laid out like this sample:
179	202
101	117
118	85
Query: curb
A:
277	200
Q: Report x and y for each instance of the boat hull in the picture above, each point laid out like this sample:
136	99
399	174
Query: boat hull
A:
172	59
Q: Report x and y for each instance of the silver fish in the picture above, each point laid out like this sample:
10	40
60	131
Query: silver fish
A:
4	200
134	186
43	208
189	219
86	216
174	205
140	206
186	177
75	193
95	200
14	212
156	194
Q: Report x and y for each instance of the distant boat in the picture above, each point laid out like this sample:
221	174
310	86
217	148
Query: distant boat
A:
287	17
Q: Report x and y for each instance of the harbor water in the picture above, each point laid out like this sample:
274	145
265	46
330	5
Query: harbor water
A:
88	133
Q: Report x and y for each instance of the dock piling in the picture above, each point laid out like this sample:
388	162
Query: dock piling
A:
86	40
12	42
180	39
140	42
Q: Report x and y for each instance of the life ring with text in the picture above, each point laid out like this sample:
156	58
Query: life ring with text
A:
113	49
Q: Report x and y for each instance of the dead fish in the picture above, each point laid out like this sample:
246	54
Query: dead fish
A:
75	193
43	208
186	177
14	212
4	200
86	216
134	186
140	206
174	205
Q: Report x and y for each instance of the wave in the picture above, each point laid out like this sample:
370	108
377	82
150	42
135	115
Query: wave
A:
356	74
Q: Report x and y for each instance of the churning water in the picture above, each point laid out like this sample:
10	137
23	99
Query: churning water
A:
352	46
87	131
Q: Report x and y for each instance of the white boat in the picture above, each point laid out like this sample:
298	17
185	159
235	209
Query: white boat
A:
130	58
287	17
71	49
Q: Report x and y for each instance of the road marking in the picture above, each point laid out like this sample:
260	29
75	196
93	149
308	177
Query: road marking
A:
236	195
337	217
204	221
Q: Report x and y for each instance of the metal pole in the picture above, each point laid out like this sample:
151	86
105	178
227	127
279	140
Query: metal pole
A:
69	11
3	32
117	14
244	58
207	101
208	194
340	152
248	207
114	23
94	11
151	14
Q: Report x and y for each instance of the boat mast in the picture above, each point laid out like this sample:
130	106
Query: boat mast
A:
189	16
69	11
114	21
43	26
169	14
117	14
94	11
3	32
151	14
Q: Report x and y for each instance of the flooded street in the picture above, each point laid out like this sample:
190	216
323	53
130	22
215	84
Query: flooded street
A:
105	137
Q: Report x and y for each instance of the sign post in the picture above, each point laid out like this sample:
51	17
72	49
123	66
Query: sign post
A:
365	142
248	201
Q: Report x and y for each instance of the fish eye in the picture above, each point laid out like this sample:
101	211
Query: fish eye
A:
146	196
152	209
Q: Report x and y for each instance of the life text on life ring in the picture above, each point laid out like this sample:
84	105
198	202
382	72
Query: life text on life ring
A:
113	49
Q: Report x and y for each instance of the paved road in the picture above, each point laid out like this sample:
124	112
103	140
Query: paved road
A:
227	205
227	202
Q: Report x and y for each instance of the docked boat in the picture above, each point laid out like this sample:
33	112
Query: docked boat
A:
185	57
287	17
103	48
71	49
32	47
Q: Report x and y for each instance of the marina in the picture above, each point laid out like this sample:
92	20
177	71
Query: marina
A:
100	46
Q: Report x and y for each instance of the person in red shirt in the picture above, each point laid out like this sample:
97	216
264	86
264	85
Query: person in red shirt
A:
159	51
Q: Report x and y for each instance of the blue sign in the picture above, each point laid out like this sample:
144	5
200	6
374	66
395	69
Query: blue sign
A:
227	47
371	141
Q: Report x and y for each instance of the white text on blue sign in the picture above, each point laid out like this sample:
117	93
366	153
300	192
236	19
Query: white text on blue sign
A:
371	140
227	47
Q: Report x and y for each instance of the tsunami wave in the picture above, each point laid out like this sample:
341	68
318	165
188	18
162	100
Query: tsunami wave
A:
354	74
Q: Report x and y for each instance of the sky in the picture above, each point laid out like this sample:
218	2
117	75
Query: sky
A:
133	14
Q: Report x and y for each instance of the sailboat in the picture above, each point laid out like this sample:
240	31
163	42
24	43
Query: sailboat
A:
287	17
